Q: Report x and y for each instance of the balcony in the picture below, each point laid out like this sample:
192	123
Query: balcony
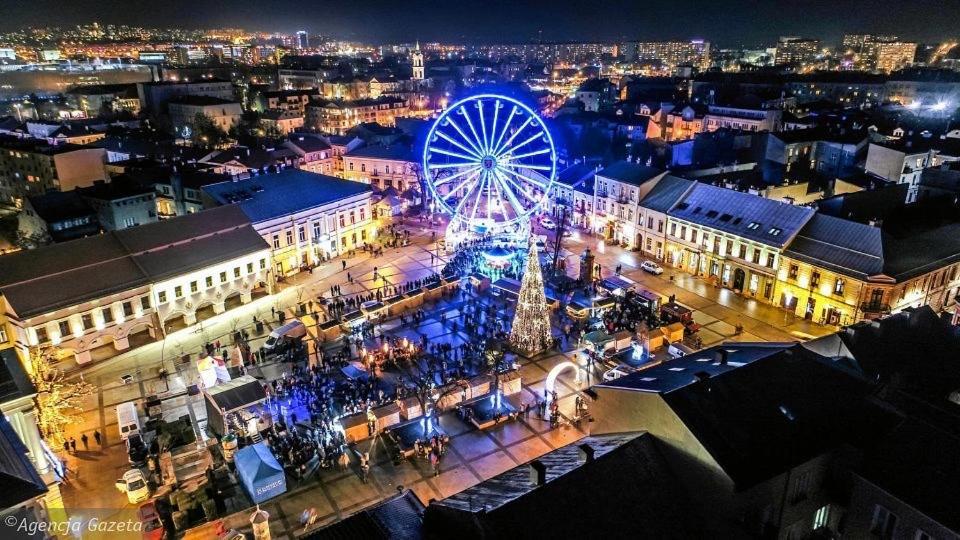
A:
874	308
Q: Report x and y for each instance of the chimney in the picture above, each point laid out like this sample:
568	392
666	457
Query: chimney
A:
585	452
538	473
720	356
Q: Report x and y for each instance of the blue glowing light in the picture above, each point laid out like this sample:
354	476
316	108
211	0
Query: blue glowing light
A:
489	160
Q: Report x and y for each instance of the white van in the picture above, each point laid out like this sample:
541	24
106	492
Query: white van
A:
292	330
128	421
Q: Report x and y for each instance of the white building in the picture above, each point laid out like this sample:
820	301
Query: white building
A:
305	217
124	288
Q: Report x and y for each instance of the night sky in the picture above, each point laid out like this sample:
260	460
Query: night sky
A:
725	22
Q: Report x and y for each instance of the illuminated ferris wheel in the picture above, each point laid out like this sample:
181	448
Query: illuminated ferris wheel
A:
489	161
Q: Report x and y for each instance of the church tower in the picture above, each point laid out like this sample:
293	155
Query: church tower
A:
417	58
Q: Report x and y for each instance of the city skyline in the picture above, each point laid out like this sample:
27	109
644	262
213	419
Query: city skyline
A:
729	23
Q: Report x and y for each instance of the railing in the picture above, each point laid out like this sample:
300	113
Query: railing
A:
874	307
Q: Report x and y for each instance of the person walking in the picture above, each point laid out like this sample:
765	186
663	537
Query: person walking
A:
85	441
73	445
97	437
344	263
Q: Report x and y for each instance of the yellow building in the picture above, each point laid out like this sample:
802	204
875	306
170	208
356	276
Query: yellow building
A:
732	239
383	166
838	271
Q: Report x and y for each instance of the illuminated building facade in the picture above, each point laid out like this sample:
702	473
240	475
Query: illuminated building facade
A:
111	292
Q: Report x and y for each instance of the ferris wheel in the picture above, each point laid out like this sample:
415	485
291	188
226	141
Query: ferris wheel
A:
489	161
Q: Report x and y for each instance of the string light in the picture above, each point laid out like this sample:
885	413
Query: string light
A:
530	333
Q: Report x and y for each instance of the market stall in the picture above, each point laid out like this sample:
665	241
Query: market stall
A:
260	472
236	404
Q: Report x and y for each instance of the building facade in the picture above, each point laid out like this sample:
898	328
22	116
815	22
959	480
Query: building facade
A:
306	218
111	292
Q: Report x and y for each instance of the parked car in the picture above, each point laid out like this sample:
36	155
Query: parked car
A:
134	485
614	373
548	224
150	523
651	267
136	450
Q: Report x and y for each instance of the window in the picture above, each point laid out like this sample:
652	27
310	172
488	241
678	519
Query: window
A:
178	292
363	213
193	287
363	235
223	277
64	328
756	255
236	272
884	522
822	517
771	258
302	234
316	230
815	279
353	218
659	225
743	251
107	315
87	320
162	297
838	286
127	309
276	241
250	268
41	334
753	226
209	281
801	485
693	236
350	165
289	236
363	167
343	220
263	264
650	222
673	229
774	231
794	270
683	232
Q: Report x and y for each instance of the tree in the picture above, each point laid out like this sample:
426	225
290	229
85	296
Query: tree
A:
57	401
205	133
530	333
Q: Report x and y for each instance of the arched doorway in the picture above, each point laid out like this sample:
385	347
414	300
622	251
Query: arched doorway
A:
739	279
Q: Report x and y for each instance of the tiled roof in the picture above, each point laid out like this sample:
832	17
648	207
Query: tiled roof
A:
749	216
270	196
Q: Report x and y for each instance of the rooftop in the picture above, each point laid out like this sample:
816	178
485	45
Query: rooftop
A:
200	101
668	191
98	266
749	216
630	173
396	152
270	196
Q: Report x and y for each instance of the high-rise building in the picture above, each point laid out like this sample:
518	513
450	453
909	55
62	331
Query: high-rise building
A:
303	40
671	53
873	52
796	50
416	57
894	55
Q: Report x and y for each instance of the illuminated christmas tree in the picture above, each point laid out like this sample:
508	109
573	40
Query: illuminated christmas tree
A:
530	333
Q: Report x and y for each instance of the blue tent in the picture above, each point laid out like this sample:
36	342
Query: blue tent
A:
260	472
